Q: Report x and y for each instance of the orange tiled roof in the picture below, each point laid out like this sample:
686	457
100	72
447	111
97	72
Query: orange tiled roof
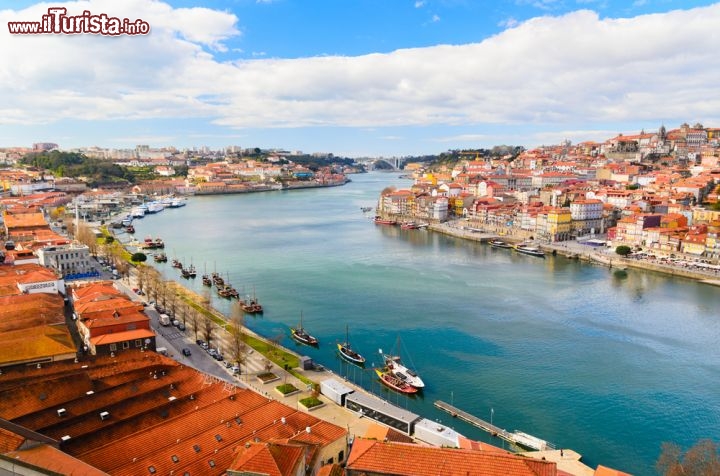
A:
401	459
116	337
269	458
51	458
52	341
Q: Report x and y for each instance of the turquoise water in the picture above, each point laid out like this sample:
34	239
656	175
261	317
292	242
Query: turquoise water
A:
608	363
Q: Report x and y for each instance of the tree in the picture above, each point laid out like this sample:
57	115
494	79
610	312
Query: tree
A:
701	459
109	240
207	326
623	250
238	347
138	257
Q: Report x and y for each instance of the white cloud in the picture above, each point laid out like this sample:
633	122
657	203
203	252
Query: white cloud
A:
509	23
570	70
435	18
419	4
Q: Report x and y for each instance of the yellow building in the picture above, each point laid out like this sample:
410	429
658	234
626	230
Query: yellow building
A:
559	223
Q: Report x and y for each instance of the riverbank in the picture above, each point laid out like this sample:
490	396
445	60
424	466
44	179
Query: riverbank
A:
578	250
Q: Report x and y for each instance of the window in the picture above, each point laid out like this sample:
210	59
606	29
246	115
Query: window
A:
138	343
126	345
175	458
113	347
211	463
196	448
218	437
151	469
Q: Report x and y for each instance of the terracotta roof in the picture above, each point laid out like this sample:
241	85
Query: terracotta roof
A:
269	458
50	458
400	459
35	343
159	413
385	433
605	471
116	337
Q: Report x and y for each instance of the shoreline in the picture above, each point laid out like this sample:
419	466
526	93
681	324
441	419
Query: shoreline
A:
575	250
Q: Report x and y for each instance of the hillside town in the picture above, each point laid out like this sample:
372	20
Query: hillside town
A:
655	192
84	385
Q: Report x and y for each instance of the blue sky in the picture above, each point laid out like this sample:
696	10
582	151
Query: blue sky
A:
361	77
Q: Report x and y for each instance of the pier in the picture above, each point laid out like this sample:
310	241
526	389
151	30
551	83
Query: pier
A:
516	438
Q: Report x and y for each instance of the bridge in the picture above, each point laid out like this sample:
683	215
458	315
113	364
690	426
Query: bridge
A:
394	162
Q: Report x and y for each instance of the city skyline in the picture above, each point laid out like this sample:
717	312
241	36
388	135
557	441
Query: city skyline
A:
359	78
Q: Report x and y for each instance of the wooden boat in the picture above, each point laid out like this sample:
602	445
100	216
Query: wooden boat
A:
176	264
301	335
206	280
383	221
348	354
395	383
500	244
395	366
130	229
529	249
160	258
225	291
191	271
409	225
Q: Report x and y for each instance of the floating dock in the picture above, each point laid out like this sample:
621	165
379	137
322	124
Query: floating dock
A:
517	438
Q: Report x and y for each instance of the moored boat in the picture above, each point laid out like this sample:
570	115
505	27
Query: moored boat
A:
409	225
395	366
529	249
176	264
347	353
301	335
160	258
130	229
206	280
500	244
384	221
395	383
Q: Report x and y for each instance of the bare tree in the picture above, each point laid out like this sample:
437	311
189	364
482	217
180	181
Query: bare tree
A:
193	317
207	325
238	345
701	459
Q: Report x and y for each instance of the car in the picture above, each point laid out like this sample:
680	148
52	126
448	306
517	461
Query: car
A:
235	369
181	326
200	342
218	356
175	322
211	351
186	352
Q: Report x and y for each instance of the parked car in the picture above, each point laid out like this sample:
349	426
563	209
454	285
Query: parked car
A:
181	326
186	352
218	356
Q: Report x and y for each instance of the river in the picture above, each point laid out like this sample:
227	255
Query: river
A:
606	362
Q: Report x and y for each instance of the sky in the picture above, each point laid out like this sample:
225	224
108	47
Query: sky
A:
360	78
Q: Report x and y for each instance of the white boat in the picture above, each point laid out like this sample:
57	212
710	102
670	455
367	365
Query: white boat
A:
177	202
394	365
155	207
138	212
529	249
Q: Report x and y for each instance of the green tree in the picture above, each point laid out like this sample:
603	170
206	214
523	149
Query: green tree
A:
109	240
623	250
138	257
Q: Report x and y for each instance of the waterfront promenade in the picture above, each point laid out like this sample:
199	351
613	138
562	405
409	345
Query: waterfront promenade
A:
573	249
